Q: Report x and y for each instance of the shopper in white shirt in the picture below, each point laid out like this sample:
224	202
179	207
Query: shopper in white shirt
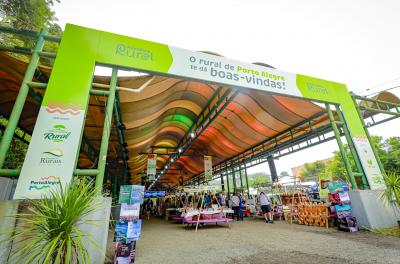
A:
266	208
236	206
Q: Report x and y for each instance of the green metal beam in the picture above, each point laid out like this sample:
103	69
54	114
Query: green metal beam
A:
26	51
247	181
41	85
379	111
367	134
86	172
241	179
234	179
121	136
106	131
99	92
21	98
10	172
28	33
77	172
363	98
222	182
341	148
227	182
352	148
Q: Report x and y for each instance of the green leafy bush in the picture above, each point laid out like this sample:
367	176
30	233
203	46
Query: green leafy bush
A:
50	230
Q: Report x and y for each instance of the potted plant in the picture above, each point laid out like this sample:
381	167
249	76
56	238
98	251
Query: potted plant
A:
50	229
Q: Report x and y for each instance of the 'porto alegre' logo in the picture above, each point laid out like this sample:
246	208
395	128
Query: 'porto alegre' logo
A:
57	134
44	182
52	157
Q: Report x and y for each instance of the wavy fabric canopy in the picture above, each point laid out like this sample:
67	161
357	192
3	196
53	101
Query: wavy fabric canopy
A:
161	115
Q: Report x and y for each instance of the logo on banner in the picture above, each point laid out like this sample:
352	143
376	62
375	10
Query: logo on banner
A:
52	157
44	182
134	52
62	108
57	134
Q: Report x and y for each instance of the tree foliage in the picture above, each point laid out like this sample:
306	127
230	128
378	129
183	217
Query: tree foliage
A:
30	15
284	174
259	179
388	152
16	153
312	170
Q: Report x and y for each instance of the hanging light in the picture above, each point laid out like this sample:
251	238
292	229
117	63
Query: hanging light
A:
172	159
166	166
192	135
180	150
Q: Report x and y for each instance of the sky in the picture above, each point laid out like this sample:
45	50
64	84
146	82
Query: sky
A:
353	42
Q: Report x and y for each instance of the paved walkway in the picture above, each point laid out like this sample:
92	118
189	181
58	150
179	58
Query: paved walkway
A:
254	241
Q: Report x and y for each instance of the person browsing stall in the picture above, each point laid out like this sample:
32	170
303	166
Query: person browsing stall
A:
266	208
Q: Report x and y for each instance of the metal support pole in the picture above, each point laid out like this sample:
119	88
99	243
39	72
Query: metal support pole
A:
227	183
272	168
121	136
341	147
247	181
106	131
352	148
234	179
368	135
21	98
241	180
222	182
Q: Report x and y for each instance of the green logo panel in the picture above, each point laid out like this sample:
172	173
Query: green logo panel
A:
133	53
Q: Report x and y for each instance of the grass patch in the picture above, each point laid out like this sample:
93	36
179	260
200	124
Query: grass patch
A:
394	231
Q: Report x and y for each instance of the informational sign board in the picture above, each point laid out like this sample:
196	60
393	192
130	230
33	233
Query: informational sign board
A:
60	122
131	194
369	163
208	167
154	194
151	166
209	187
191	189
52	152
128	227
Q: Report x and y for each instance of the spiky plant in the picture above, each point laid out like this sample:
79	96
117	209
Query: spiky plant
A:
392	192
49	232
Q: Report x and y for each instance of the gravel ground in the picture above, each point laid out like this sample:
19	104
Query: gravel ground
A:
254	241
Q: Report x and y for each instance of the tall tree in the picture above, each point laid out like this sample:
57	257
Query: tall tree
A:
388	151
29	15
312	171
283	174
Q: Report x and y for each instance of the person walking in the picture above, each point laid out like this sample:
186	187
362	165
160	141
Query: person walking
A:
266	208
237	204
240	210
148	207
